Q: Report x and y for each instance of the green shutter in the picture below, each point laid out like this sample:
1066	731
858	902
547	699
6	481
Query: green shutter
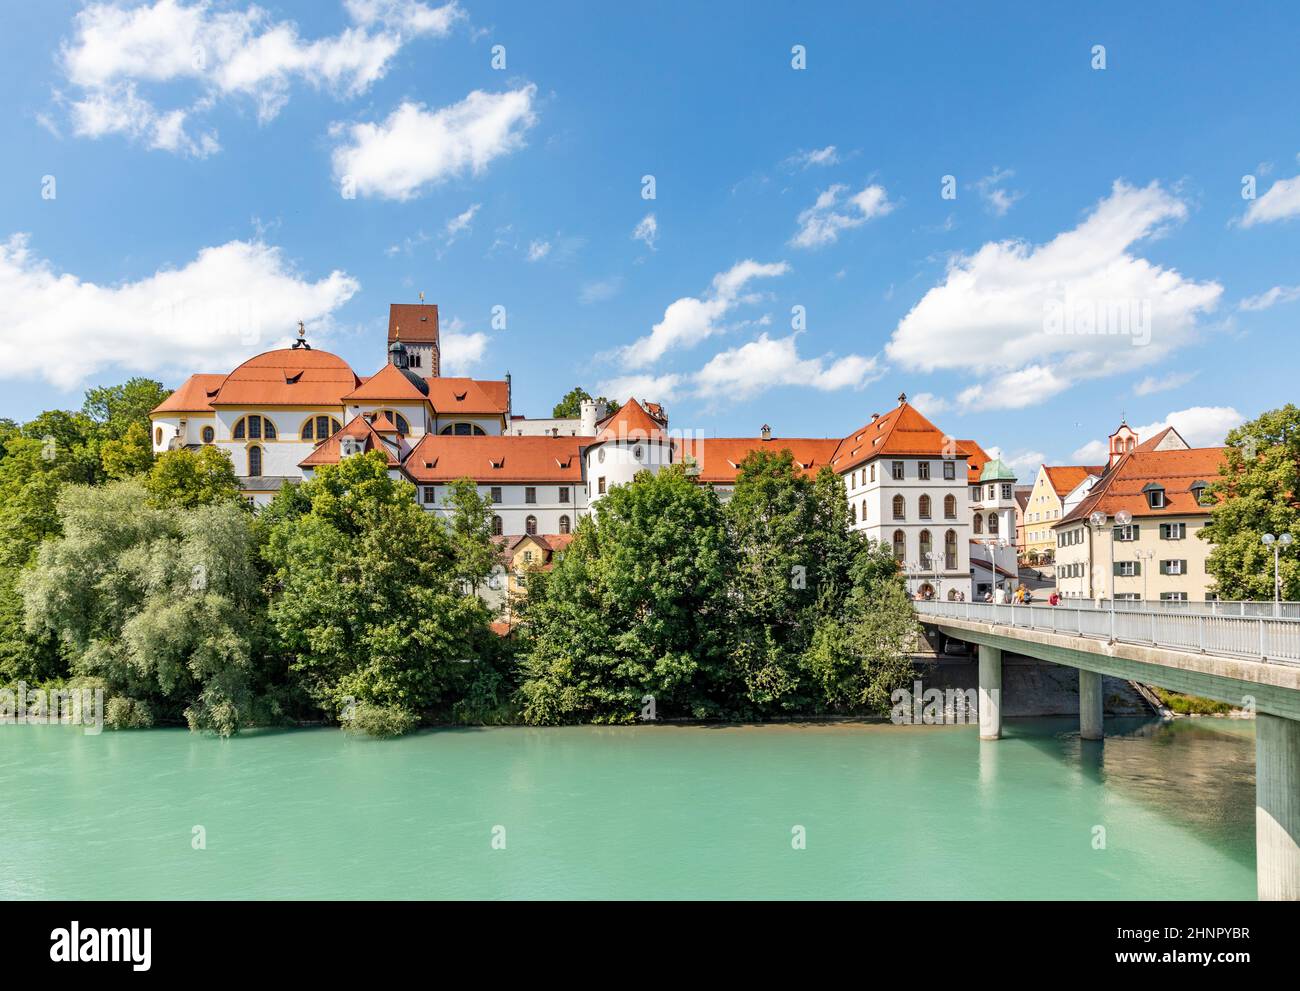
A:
1137	568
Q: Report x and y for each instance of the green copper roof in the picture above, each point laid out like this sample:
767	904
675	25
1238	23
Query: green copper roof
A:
995	470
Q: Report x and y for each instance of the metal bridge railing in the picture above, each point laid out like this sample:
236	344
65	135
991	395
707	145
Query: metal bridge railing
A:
1261	638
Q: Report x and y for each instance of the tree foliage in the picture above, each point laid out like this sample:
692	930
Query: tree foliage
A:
570	407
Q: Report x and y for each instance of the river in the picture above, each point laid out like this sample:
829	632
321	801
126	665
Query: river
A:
646	812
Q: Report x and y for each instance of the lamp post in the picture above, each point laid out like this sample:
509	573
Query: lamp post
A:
1098	521
1144	556
1277	543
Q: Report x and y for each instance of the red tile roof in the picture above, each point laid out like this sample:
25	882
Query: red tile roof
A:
386	385
450	396
1064	478
976	459
719	458
327	451
418	323
288	377
631	423
193	396
901	431
1175	471
492	460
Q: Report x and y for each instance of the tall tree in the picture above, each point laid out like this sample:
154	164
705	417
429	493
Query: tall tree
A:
187	478
570	407
1257	492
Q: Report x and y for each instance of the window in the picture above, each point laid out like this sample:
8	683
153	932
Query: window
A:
927	548
600	455
564	524
1175	597
900	545
949	471
530	525
1126	533
254	428
864	511
496	526
462	430
530	494
564	493
897	469
873	472
1128	569
1156	498
1174	567
1173	531
992	491
209	435
430	494
399	421
1198	491
254	461
414	359
1006	490
924	507
949	507
950	550
600	482
993	523
979	523
923	470
320	427
900	508
496	494
528	557
157	436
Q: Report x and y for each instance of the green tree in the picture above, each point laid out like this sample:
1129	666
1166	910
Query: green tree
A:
570	406
470	531
115	409
188	478
1256	493
128	455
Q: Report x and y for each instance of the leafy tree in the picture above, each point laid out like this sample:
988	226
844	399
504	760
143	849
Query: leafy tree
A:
115	409
365	595
128	455
637	606
188	478
160	603
470	530
1256	493
570	406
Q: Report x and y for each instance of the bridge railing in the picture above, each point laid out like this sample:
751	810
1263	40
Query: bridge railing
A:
1263	638
1213	607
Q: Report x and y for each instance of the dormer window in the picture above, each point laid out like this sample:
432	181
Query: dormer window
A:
1155	496
1198	490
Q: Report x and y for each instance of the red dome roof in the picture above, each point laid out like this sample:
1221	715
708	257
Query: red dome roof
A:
289	377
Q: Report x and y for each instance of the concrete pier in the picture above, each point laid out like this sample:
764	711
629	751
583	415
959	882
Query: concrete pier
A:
1090	705
1277	807
990	693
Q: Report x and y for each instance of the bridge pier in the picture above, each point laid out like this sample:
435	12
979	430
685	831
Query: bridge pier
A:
990	693
1277	807
1090	706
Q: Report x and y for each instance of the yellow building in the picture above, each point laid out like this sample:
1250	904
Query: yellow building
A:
1045	506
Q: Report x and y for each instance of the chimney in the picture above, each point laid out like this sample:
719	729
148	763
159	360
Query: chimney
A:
766	432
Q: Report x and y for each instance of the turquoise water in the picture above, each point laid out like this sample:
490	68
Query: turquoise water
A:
641	812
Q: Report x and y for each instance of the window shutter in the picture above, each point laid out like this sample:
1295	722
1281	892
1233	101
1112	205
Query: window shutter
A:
1116	566
1164	567
1183	565
1137	568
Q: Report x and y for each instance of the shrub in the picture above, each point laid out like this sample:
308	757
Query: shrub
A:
123	712
379	721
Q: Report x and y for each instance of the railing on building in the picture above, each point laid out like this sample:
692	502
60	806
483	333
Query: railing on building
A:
1263	638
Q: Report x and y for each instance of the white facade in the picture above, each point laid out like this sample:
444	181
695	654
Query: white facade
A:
542	507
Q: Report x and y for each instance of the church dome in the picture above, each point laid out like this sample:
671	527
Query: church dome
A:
297	376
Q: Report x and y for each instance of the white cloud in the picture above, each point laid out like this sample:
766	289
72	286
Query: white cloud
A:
647	230
600	290
538	249
459	224
210	314
1269	298
1150	385
1281	202
761	364
930	404
415	147
225	52
996	198
1024	463
461	352
648	388
689	320
822	222
818	156
1025	317
1200	426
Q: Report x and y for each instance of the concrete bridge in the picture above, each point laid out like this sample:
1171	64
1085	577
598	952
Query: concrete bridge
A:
1246	661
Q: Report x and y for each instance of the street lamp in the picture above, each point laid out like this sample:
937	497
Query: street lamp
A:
1144	556
1098	520
1277	543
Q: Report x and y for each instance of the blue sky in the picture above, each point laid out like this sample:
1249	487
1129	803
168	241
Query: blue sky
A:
198	155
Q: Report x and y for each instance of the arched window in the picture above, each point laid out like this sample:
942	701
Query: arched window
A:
993	522
254	460
900	545
900	508
949	507
463	430
979	523
209	435
950	550
254	427
399	421
157	436
320	428
864	511
530	525
564	524
853	515
496	526
925	507
927	548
